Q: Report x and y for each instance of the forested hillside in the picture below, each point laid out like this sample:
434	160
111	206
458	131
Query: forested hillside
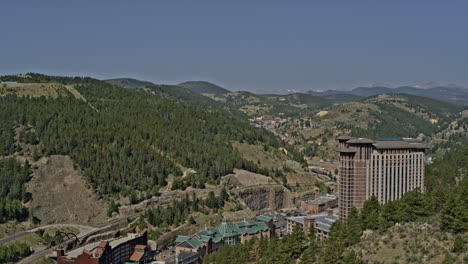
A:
407	116
292	105
454	95
125	140
13	176
178	93
450	136
388	121
203	87
129	83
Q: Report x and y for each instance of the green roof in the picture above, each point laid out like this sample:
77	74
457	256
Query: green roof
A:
225	230
181	239
264	218
251	227
212	232
192	241
205	238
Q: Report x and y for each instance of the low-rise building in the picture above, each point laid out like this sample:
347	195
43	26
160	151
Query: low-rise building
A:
319	204
321	223
187	257
117	250
210	239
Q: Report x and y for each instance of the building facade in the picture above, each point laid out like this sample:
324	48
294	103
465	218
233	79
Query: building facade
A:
319	204
210	239
118	250
384	168
321	224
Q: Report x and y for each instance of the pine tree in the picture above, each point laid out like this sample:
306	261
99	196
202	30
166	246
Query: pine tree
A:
459	244
311	253
224	195
112	207
353	230
192	220
332	251
370	213
352	258
296	242
256	251
31	217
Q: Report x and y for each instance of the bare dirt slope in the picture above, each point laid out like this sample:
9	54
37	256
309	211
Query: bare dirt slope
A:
246	178
60	194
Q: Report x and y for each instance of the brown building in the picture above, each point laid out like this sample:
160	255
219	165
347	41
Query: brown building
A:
319	204
384	168
117	250
321	224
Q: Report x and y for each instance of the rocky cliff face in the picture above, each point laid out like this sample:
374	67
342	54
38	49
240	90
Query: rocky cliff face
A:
265	198
165	199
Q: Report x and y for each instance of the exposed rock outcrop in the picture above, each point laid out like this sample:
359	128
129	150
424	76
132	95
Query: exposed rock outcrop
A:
165	199
265	198
243	178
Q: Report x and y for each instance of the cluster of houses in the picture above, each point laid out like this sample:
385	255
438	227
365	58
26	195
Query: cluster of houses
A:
192	249
261	123
131	247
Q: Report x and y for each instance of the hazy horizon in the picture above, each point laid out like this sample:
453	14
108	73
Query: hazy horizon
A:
261	46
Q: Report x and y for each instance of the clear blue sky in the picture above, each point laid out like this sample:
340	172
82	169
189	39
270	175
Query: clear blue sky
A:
241	45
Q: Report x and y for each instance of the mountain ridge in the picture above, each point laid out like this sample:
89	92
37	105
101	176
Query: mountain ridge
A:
204	87
456	95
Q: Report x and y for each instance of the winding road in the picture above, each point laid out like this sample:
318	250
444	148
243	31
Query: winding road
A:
84	230
39	253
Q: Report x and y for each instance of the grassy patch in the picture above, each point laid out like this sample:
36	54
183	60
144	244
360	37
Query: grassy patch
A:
269	159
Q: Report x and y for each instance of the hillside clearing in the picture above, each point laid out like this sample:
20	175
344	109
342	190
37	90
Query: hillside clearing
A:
255	153
56	187
52	90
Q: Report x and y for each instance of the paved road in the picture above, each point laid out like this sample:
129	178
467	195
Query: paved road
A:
37	256
13	237
84	230
42	252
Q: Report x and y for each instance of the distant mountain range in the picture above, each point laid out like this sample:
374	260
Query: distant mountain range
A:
452	94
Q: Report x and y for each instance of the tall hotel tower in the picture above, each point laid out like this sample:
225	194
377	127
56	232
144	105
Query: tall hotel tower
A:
384	168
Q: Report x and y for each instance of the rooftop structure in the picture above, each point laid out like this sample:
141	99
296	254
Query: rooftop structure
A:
321	224
116	250
187	257
319	204
209	240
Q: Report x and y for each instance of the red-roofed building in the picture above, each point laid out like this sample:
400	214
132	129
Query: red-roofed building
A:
116	250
